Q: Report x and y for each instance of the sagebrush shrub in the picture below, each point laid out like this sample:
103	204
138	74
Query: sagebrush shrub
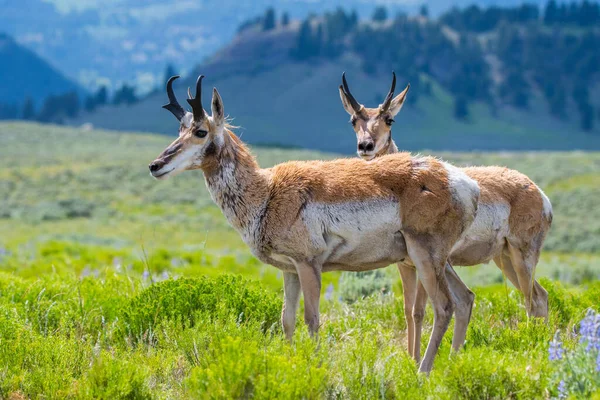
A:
182	300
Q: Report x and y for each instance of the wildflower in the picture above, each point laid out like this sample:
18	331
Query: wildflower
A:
590	330
598	362
86	272
562	390
146	275
329	292
117	263
556	350
165	275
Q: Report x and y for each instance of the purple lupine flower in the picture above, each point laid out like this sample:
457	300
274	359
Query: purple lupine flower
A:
562	390
146	275
598	362
556	350
590	330
164	275
329	292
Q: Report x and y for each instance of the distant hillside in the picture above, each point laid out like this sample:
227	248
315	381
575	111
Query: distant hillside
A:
284	94
24	74
110	42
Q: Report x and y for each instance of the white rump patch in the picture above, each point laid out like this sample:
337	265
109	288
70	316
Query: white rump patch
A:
465	190
547	204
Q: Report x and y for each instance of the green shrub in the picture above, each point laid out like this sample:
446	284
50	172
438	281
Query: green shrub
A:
357	285
488	374
234	367
182	300
114	378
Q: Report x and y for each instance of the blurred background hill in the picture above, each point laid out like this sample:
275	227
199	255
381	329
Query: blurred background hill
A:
484	75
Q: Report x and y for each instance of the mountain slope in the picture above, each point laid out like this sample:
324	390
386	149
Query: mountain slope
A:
279	101
116	41
27	75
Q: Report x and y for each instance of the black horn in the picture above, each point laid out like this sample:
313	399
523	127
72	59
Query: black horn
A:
355	105
196	102
390	96
173	105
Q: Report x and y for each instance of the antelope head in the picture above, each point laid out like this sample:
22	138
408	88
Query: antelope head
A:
199	133
373	126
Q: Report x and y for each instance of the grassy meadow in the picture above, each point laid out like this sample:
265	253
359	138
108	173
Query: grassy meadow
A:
114	285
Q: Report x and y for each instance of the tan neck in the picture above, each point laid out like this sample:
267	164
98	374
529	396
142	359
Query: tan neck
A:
389	148
236	183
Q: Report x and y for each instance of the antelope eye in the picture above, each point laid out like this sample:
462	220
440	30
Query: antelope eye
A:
353	120
200	133
389	121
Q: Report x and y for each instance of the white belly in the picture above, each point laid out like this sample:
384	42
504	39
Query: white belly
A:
355	236
485	237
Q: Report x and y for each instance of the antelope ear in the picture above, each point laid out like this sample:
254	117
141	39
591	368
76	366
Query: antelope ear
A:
398	101
345	101
218	113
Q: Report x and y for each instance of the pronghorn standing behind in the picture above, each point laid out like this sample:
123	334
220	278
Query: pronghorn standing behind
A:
306	218
512	221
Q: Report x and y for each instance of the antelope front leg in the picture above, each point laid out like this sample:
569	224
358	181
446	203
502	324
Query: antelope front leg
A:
430	264
408	274
291	295
310	281
418	314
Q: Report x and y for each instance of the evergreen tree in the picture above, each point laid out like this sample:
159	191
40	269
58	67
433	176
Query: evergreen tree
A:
90	103
57	108
461	108
353	19
101	96
269	19
125	95
70	104
586	112
28	112
285	19
305	47
380	14
169	72
8	111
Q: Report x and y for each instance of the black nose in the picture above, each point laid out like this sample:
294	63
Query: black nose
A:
366	146
156	165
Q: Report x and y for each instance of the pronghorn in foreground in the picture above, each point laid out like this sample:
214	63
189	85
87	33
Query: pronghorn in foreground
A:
310	217
512	220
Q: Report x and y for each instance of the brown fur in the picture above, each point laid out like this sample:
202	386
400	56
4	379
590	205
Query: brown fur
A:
306	217
527	227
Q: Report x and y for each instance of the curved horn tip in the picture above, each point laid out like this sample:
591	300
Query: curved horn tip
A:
174	77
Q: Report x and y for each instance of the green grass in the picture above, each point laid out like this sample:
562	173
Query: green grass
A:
114	285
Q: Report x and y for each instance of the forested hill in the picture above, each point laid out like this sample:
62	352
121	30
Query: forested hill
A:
26	78
481	78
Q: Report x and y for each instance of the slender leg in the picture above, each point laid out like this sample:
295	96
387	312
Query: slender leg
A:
310	281
463	298
431	269
418	313
291	294
408	273
536	297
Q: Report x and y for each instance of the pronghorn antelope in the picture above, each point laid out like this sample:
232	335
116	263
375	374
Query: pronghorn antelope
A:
310	217
512	220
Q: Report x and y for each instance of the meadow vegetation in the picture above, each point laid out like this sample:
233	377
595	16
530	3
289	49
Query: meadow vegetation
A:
113	285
